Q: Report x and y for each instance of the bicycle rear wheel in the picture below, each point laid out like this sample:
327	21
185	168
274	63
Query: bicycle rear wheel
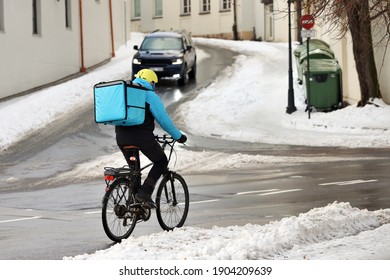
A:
172	201
118	222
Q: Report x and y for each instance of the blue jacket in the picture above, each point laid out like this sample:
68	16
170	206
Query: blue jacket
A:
155	110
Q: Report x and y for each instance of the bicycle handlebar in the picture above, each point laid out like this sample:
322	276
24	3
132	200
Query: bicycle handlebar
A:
164	139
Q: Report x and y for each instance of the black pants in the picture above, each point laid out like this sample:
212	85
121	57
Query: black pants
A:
155	154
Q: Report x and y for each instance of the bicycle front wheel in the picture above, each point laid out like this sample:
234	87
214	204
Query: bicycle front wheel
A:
118	222
172	201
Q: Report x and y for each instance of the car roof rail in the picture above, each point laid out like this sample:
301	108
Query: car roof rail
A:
181	31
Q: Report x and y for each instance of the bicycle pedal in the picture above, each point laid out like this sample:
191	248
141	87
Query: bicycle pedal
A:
146	213
149	205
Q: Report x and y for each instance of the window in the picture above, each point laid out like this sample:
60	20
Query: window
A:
1	15
137	9
226	5
204	6
186	7
36	16
68	17
158	8
162	43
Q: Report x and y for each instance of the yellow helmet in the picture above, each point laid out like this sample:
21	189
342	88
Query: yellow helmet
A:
147	75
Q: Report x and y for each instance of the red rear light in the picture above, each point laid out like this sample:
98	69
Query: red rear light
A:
108	177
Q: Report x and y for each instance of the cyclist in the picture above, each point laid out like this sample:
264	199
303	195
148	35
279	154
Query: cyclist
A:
142	135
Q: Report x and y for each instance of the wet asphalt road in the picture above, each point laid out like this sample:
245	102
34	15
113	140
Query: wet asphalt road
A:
42	219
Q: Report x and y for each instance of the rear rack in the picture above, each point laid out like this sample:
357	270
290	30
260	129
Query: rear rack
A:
118	172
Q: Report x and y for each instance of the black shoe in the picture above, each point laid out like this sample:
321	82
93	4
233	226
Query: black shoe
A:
145	197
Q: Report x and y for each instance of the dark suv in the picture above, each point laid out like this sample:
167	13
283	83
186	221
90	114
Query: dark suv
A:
169	54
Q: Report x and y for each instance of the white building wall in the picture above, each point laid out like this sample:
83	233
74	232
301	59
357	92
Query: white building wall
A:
344	54
145	22
121	21
96	31
252	19
281	21
216	23
383	65
29	61
259	21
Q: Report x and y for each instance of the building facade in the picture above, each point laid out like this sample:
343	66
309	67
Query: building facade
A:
202	18
44	41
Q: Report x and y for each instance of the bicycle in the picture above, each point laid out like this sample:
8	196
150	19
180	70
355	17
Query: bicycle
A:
121	211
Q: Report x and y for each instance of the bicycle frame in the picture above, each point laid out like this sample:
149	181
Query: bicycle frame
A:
164	143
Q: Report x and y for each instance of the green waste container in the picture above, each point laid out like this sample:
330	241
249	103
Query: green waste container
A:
318	49
325	84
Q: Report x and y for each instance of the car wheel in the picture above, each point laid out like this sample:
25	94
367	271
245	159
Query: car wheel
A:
182	80
192	73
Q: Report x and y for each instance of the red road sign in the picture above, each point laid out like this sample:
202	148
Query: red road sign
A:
307	21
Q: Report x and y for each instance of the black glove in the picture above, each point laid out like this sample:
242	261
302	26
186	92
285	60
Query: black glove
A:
182	138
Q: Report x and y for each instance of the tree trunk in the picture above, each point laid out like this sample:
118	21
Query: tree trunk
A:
360	27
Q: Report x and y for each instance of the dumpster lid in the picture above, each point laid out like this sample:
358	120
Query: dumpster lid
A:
316	54
313	45
322	65
317	43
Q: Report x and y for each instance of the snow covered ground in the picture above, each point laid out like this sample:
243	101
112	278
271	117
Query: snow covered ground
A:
335	232
247	102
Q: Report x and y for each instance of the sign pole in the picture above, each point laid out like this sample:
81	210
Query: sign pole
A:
307	22
308	77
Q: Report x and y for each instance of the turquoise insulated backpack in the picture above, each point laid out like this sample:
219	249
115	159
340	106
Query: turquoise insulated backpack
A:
119	103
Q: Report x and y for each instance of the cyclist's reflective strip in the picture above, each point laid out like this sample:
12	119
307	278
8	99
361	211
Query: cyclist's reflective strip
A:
21	219
261	191
293	190
205	201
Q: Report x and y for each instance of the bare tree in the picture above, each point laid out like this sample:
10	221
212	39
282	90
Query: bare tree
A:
360	18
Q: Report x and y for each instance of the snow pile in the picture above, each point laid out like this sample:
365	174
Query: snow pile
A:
335	226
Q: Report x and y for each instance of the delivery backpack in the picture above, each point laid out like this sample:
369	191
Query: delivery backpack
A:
119	103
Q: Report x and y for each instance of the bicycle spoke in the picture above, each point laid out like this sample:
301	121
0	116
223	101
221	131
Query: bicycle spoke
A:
172	202
118	222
